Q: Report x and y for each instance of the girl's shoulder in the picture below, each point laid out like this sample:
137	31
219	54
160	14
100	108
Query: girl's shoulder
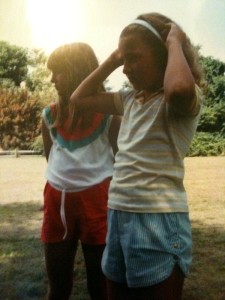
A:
122	97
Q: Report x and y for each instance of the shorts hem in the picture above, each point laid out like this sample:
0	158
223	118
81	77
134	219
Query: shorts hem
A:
159	280
146	284
112	279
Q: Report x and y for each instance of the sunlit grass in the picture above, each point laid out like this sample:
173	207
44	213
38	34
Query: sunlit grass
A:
22	268
205	184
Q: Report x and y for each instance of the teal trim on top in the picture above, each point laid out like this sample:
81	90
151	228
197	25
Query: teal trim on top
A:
48	116
73	144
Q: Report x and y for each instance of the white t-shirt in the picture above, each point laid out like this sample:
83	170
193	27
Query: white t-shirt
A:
82	159
148	170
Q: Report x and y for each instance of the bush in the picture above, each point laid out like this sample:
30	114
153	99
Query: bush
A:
212	118
207	144
38	144
20	119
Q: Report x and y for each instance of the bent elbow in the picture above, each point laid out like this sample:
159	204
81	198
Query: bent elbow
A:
74	99
182	99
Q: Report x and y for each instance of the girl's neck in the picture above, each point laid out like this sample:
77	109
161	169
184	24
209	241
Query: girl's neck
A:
145	96
152	93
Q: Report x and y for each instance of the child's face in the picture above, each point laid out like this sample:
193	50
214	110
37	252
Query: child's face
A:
141	65
61	83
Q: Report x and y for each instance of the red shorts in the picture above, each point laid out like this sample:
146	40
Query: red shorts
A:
85	215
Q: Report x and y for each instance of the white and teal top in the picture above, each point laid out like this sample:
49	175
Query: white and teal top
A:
80	159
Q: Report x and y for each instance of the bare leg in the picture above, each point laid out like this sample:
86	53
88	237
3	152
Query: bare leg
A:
169	289
59	259
119	291
96	281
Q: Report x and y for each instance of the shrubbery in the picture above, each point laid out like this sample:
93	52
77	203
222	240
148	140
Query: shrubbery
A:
20	113
20	108
25	88
38	145
207	144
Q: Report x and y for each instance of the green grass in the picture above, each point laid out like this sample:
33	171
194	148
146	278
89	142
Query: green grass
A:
22	274
207	277
22	268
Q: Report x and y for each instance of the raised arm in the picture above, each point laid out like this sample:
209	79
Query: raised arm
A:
86	96
113	133
179	83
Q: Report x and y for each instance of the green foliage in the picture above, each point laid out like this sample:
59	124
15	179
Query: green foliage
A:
214	90
36	57
13	62
7	83
27	66
213	118
210	136
38	144
207	144
20	114
212	68
38	77
20	108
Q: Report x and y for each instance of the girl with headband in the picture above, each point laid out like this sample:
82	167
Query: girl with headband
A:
149	243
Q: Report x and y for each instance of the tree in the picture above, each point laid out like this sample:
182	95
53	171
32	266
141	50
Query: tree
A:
38	75
38	78
210	136
13	63
20	107
213	116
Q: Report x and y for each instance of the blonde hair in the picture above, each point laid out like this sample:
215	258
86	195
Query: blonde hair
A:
76	61
160	24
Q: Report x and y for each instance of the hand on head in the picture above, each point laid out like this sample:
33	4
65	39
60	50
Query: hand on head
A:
116	58
175	33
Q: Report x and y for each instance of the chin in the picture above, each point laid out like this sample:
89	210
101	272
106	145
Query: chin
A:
135	86
60	94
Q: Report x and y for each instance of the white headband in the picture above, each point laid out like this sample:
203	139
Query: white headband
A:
148	26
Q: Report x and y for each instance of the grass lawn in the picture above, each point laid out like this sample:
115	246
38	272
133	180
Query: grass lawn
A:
22	269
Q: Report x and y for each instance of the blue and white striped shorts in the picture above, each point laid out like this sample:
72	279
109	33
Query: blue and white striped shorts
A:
143	248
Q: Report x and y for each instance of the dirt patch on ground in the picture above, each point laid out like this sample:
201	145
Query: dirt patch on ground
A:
22	179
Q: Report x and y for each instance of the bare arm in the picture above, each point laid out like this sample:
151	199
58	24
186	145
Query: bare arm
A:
179	83
86	95
113	133
47	141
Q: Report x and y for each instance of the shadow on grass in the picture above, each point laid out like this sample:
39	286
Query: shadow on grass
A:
22	268
207	277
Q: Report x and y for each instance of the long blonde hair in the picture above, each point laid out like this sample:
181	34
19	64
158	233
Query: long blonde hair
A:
76	61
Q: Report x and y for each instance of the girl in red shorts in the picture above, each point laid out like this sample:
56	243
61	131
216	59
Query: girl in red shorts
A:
80	164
